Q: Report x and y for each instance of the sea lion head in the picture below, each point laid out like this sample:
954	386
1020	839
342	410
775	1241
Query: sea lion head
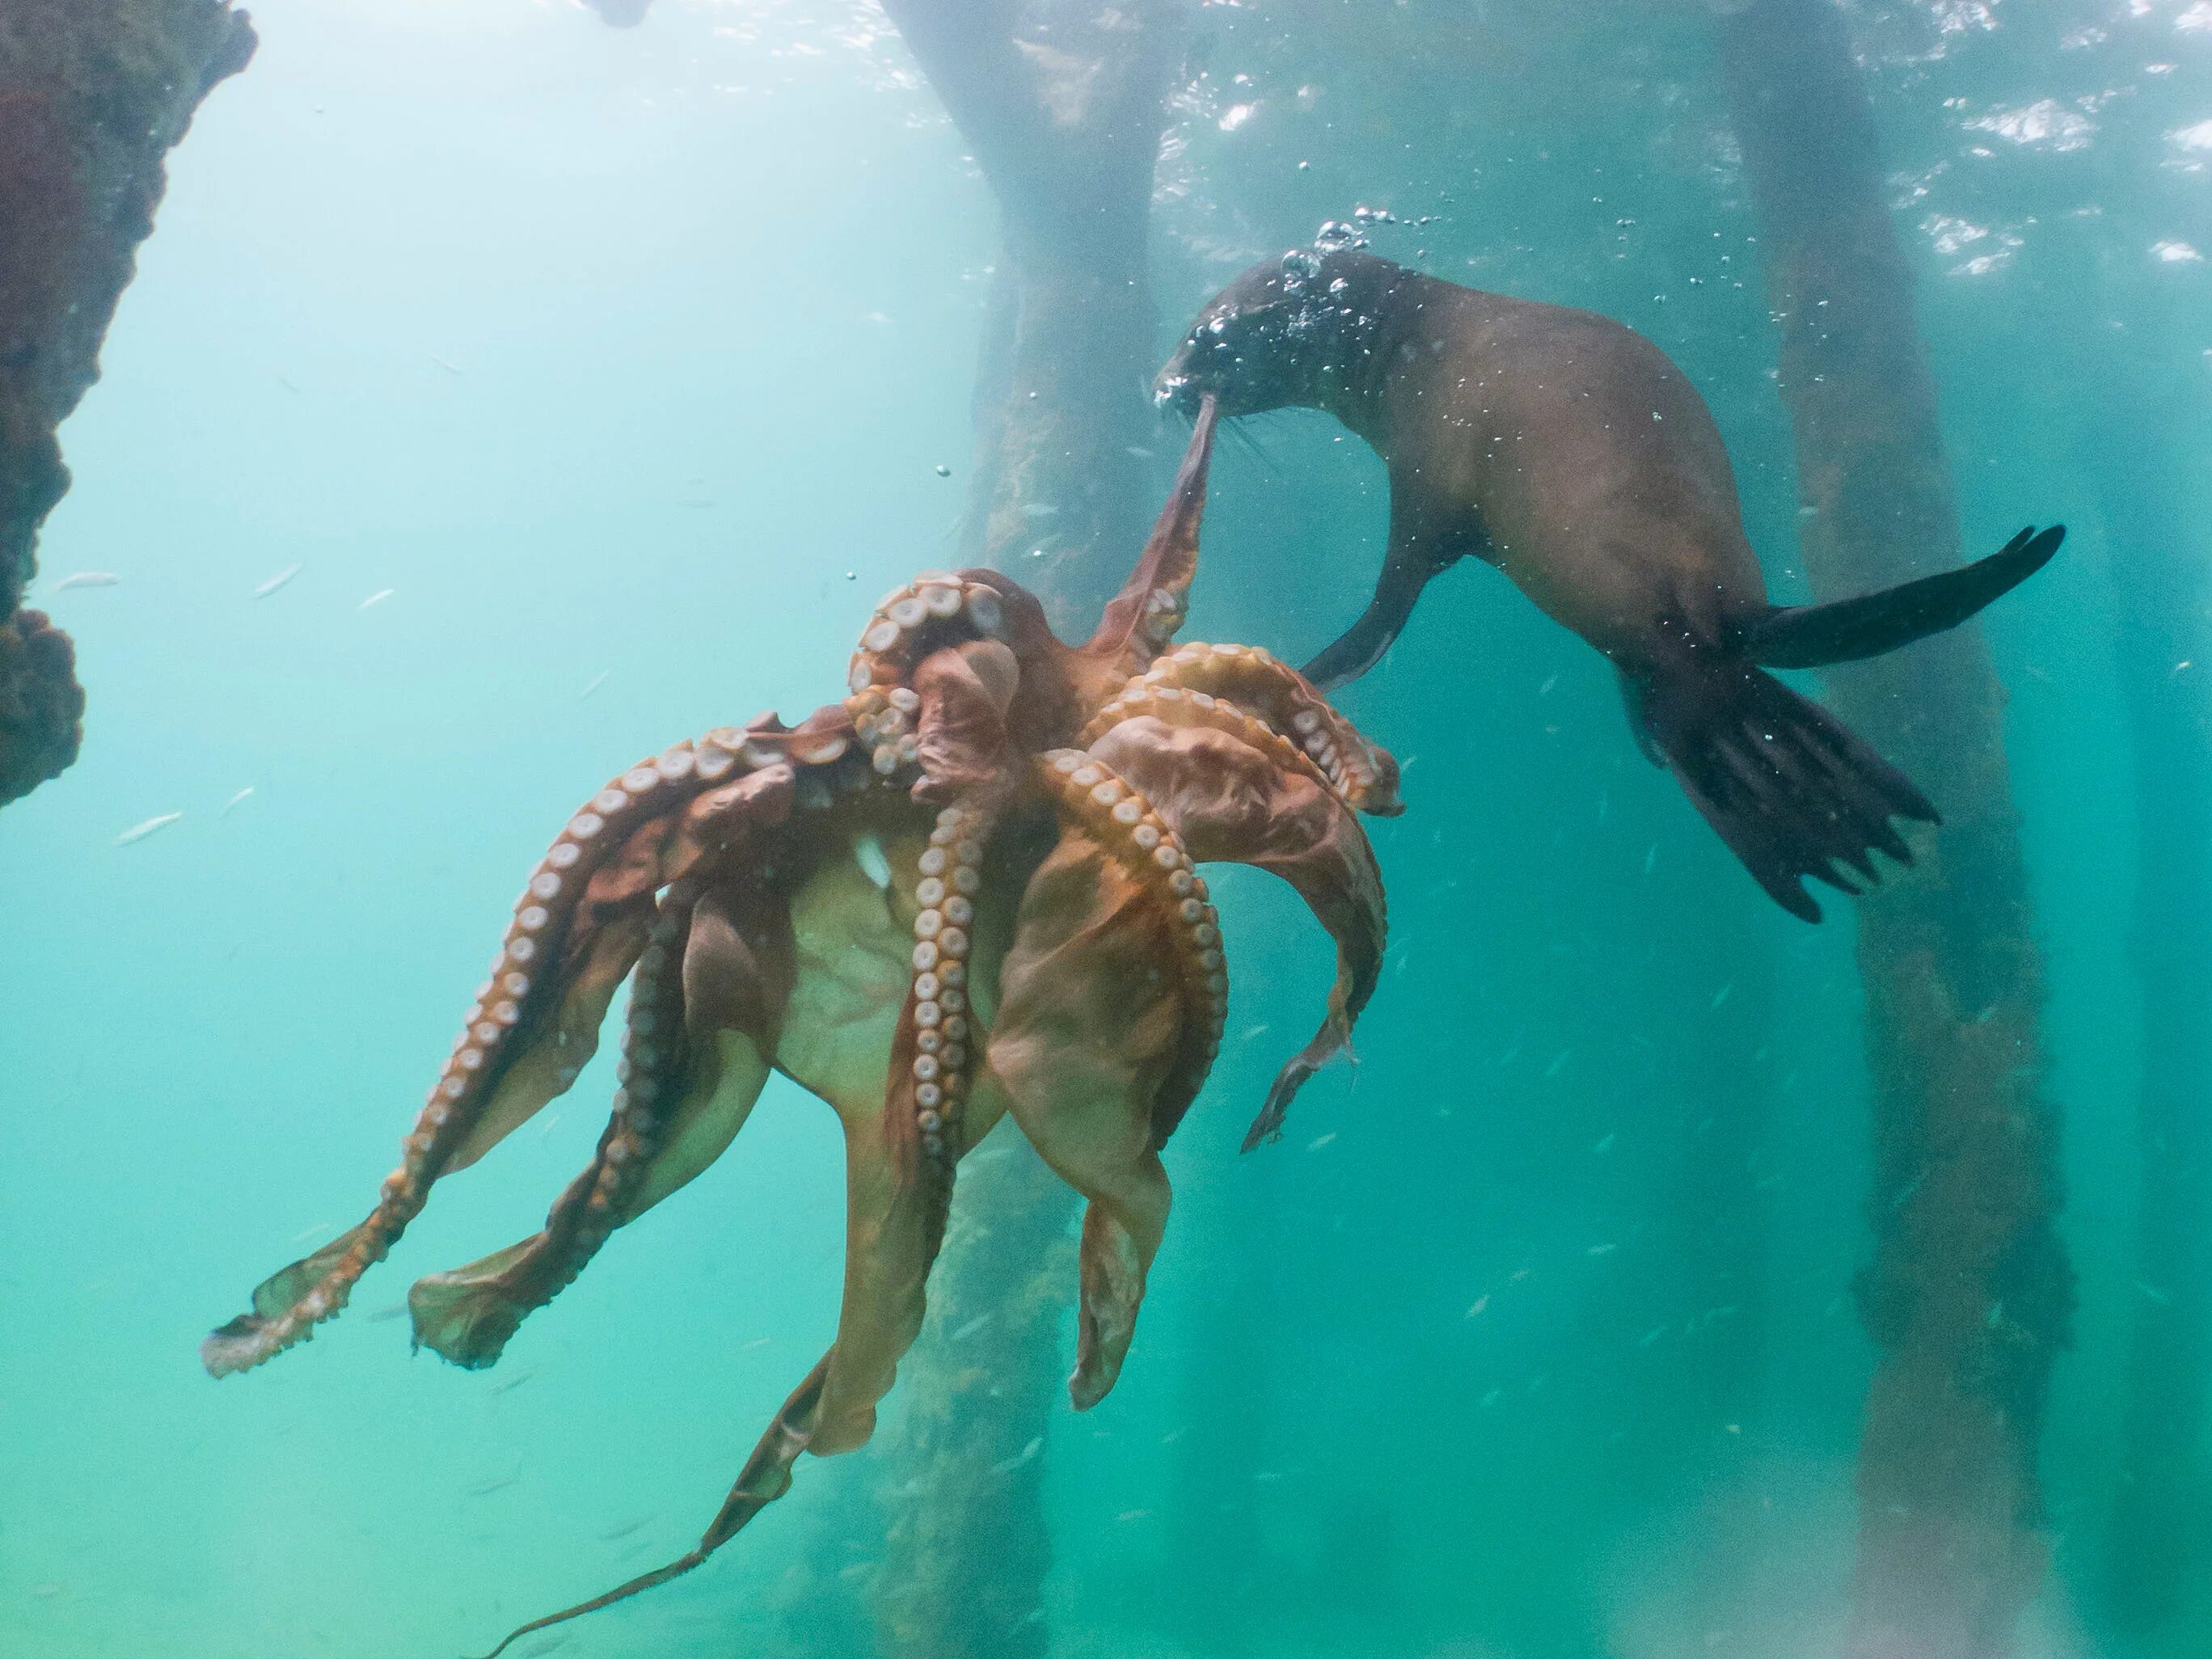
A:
1278	336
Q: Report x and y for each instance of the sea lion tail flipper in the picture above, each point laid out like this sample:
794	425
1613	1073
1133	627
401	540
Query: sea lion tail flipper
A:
1791	790
1813	636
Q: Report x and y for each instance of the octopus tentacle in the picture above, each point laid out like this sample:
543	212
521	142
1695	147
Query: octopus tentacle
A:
576	928
765	1478
1232	802
468	1314
900	1160
1140	620
703	1008
1088	1030
917	617
1088	791
933	1055
1363	774
1171	706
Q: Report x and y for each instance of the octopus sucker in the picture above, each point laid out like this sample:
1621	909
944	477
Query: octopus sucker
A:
967	889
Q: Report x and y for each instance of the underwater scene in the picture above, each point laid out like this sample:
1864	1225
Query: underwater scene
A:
1097	1044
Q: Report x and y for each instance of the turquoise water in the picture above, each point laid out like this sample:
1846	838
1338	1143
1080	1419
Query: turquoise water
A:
596	382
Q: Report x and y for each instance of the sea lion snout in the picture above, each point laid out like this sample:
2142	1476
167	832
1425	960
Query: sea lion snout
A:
1208	362
1272	337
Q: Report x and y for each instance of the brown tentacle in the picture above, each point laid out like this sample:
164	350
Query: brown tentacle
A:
468	1314
765	1478
1089	793
1363	773
1089	1030
577	927
901	1154
912	620
1142	619
699	974
934	1052
1234	801
1173	706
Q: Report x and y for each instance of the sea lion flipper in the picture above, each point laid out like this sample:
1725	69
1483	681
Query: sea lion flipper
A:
1361	646
1849	630
1791	790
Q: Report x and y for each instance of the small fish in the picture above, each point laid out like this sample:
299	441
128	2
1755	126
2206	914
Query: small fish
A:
857	1570
757	1342
1604	1147
276	582
548	1644
508	1385
1255	1031
45	1592
1027	1453
1651	1336
320	1229
384	1315
1139	451
1480	1302
498	1483
86	579
1320	1141
140	831
377	598
970	1328
1133	1515
2156	1294
450	368
1723	993
943	471
616	1535
1559	1062
1651	857
545	1129
1490	1399
1039	510
1603	1249
235	802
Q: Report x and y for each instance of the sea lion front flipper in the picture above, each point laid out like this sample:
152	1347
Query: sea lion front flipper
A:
1361	646
1849	630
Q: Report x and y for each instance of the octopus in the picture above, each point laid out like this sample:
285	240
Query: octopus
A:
967	891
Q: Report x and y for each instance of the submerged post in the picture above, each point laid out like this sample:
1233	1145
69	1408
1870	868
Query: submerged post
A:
93	94
1063	105
1969	1295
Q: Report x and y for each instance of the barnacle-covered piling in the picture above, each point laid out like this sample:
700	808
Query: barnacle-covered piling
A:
93	94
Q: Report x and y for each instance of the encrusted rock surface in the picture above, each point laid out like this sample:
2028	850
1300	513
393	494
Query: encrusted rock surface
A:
93	95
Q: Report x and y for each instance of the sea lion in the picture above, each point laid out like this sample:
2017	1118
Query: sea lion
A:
1567	449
